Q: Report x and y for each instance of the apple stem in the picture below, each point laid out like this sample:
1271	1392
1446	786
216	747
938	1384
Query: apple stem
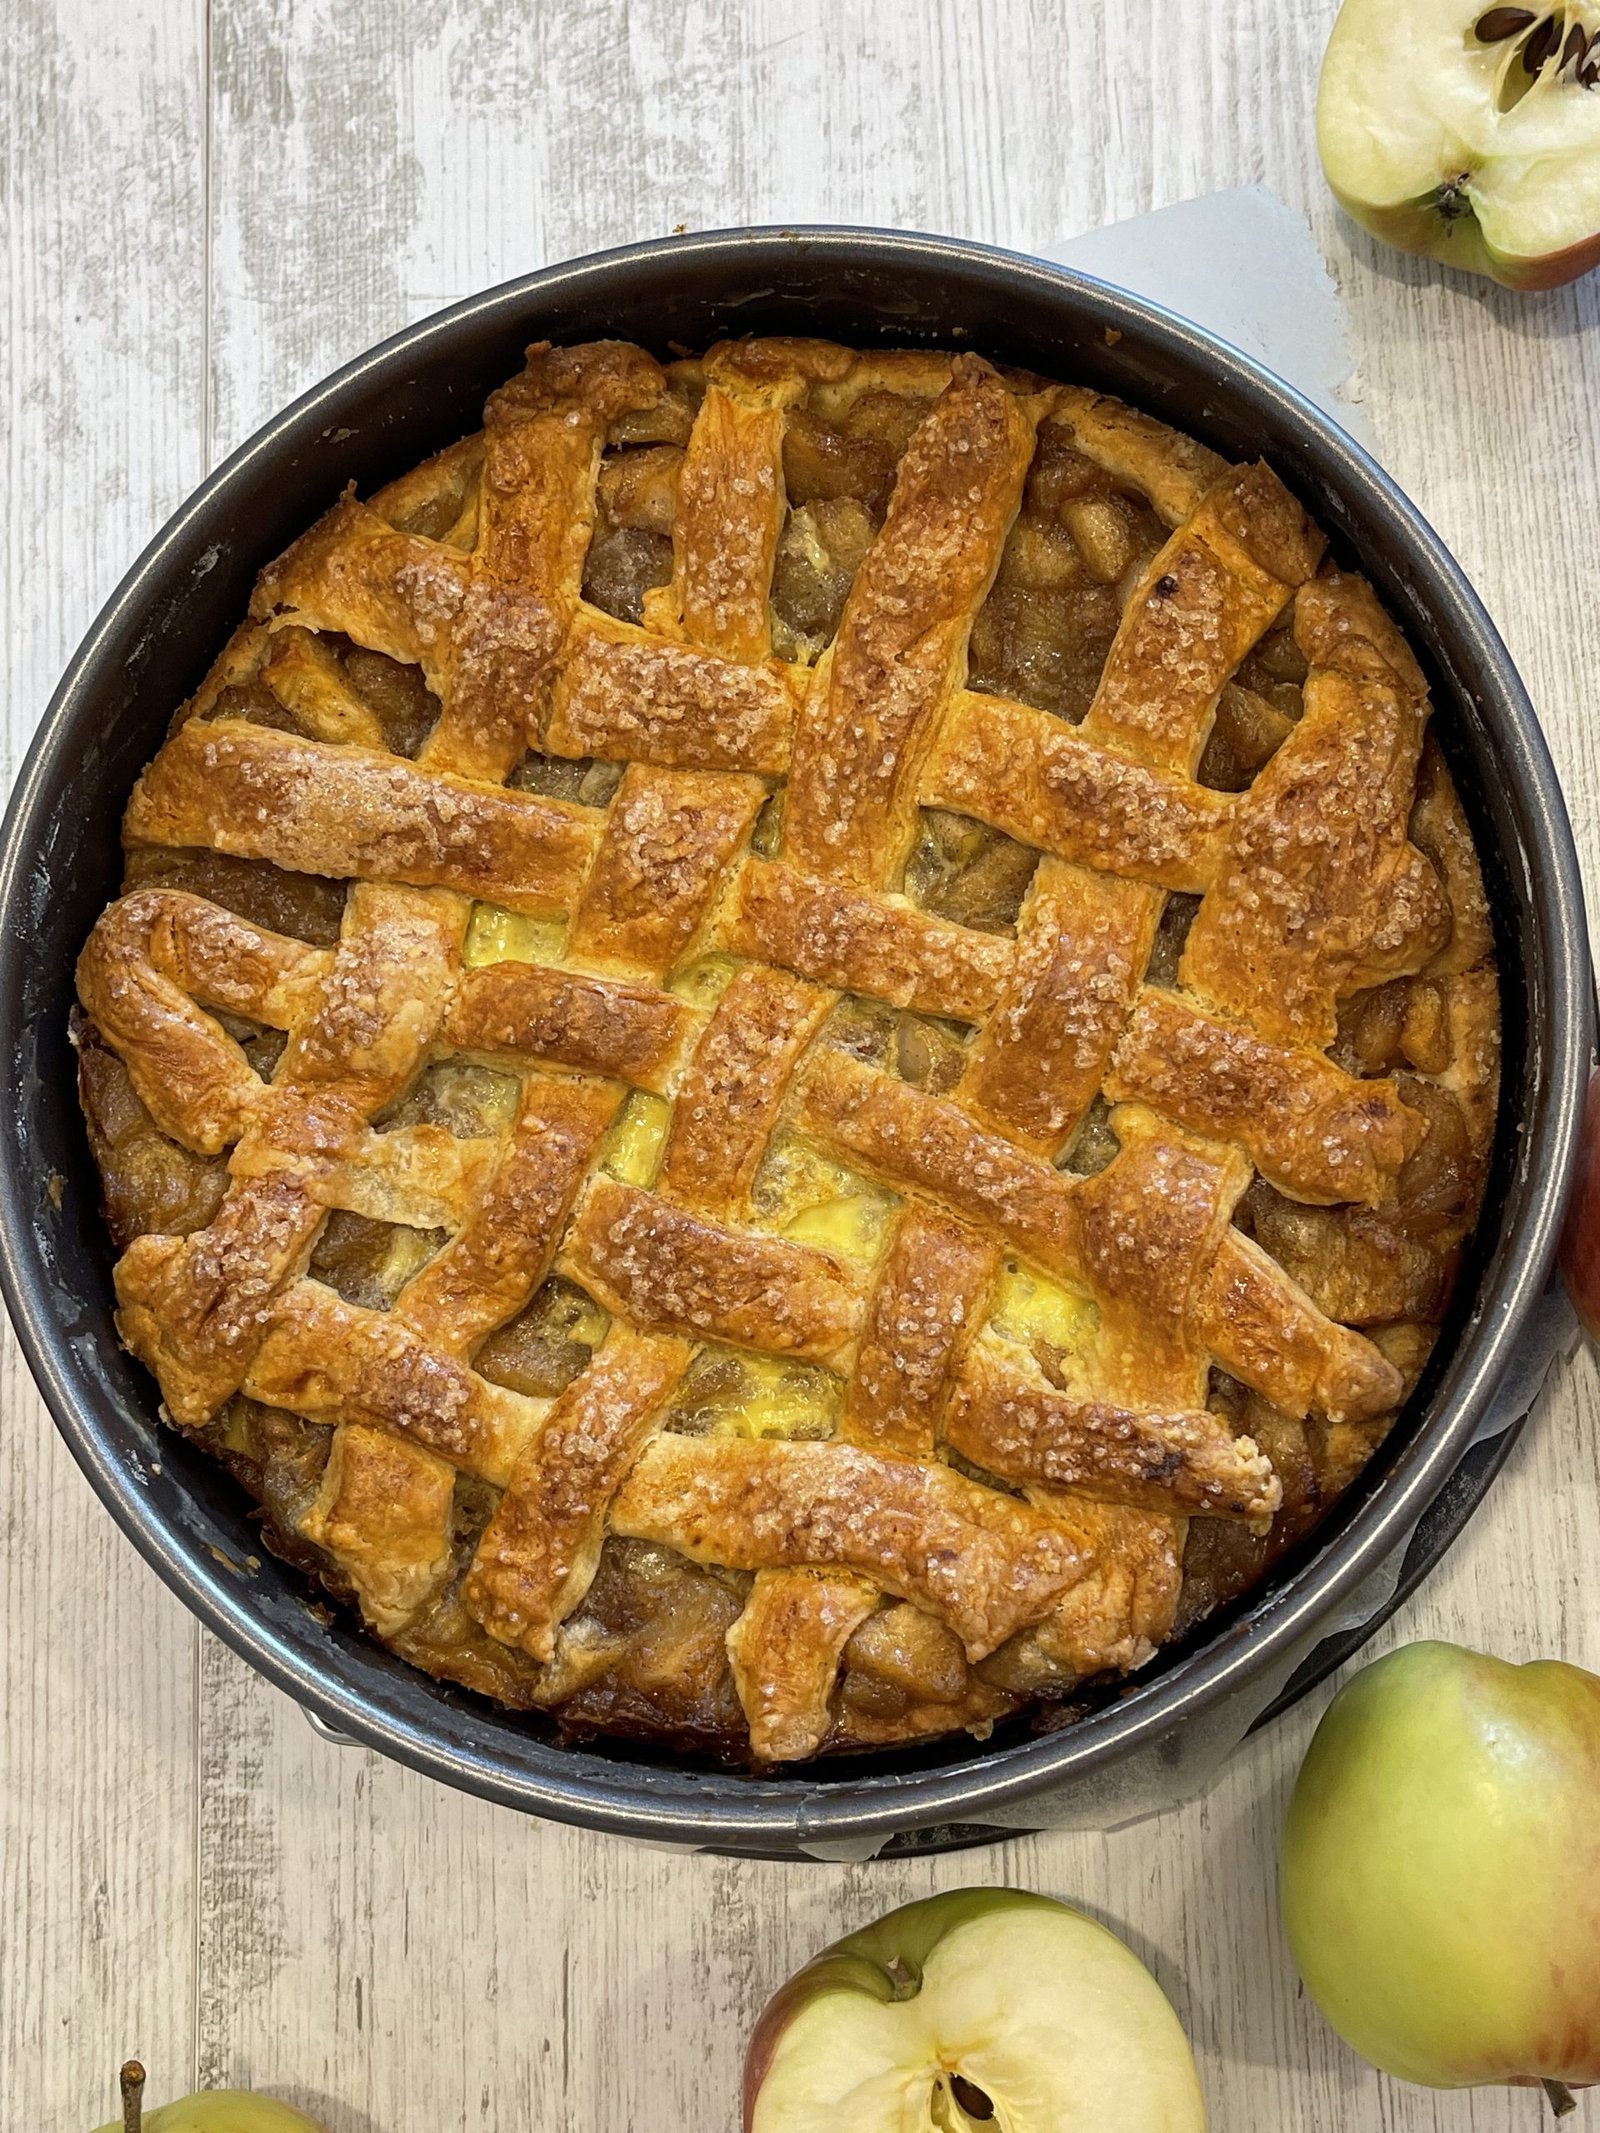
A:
1562	2100
131	2082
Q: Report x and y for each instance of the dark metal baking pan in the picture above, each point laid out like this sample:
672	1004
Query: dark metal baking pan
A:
59	863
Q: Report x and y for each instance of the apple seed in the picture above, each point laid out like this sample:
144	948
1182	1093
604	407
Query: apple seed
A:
1541	44
973	2100
1502	22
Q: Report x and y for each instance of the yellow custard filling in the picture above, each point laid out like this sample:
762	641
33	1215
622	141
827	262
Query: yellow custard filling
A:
703	982
1034	1311
729	1393
631	1150
809	1198
495	935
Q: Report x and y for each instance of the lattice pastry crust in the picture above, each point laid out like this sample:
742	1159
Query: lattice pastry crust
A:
892	1104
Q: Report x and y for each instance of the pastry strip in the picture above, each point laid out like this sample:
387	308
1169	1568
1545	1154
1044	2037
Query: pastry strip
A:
662	1267
1038	1063
1313	903
911	1140
195	1309
931	1296
626	694
334	1362
733	1088
305	678
529	1011
384	1512
543	434
1211	593
785	1650
1010	1422
878	945
868	720
501	1253
730	513
669	838
148	962
1042	782
539	1552
394	593
1315	1131
351	813
982	1562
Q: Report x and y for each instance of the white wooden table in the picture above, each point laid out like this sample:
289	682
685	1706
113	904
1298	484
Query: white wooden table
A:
204	208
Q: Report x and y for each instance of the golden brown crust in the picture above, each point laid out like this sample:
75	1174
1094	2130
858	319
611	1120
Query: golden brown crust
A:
1150	1224
540	1551
1024	1430
143	971
1265	1331
664	1268
902	640
529	1011
504	1247
1038	1063
984	1563
733	1088
1317	1133
1202	603
1321	892
352	813
668	840
932	1294
633	1450
1124	1607
383	1513
785	1650
877	945
626	693
918	1142
1037	779
333	1362
730	513
306	679
354	573
1173	471
543	434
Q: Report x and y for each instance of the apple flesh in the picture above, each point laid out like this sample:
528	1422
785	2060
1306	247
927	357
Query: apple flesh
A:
984	2008
1440	1870
207	2111
1580	1239
1438	135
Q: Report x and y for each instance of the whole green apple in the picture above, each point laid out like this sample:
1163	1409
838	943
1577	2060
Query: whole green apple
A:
1441	1869
207	2111
981	2007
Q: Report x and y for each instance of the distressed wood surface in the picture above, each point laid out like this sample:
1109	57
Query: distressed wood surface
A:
204	210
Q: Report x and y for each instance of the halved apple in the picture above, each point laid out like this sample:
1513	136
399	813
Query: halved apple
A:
1467	133
986	2009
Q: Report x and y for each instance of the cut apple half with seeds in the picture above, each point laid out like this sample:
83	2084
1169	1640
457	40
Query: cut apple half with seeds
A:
1469	134
982	2011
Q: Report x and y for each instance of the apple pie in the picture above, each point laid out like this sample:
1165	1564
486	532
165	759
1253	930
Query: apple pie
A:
798	1049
